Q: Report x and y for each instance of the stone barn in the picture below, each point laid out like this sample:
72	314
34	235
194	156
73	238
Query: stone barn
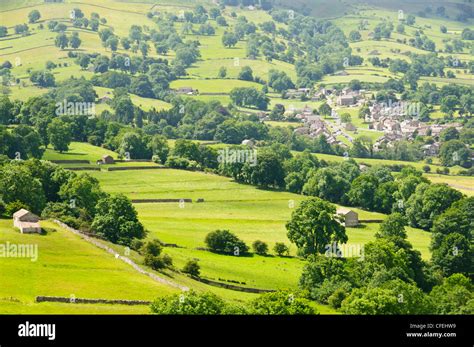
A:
26	221
107	159
351	218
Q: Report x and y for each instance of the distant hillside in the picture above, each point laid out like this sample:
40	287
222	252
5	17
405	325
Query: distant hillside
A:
334	8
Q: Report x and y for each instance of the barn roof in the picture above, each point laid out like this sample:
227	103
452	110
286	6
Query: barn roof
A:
21	213
344	210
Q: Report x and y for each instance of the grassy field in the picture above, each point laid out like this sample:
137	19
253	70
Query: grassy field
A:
210	67
251	213
79	151
144	103
418	165
394	47
66	266
464	184
214	86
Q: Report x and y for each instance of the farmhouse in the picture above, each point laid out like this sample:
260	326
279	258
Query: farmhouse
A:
351	218
431	149
26	221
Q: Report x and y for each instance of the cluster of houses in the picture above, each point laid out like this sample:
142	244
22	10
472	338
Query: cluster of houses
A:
314	126
344	97
397	124
310	94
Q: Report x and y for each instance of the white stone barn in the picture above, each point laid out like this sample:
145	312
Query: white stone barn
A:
351	218
26	221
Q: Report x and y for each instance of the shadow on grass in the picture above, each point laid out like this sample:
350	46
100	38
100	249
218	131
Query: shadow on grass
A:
47	231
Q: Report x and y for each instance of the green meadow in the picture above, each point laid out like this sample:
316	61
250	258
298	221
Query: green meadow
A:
70	267
249	212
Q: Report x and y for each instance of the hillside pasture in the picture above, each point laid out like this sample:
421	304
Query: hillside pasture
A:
70	267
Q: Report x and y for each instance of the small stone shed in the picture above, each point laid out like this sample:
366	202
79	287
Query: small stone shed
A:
351	218
27	222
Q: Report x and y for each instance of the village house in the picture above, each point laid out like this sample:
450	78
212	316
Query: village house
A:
318	96
346	100
351	218
302	131
386	141
409	128
424	130
431	150
331	139
26	221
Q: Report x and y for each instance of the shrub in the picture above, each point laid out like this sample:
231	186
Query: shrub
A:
152	248
14	206
192	267
73	222
155	262
2	207
194	165
190	303
167	260
260	247
280	248
136	244
223	241
281	303
177	162
335	300
50	65
59	210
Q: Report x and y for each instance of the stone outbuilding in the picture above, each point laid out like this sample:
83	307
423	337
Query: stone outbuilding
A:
107	159
27	222
249	143
351	218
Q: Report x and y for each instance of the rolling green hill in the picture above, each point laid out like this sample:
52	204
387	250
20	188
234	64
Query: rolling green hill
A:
69	266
